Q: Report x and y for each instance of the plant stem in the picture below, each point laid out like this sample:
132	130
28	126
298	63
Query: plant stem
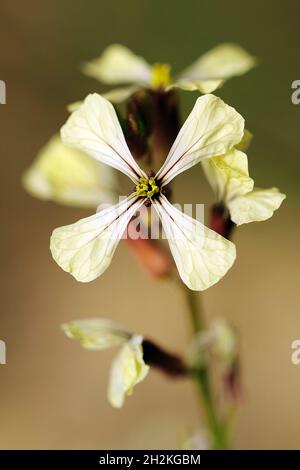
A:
216	426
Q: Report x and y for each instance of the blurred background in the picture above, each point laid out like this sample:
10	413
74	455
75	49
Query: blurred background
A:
52	392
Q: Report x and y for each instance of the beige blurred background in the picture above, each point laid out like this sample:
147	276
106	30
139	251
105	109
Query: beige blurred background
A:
52	392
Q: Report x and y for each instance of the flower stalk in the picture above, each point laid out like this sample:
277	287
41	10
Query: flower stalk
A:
217	427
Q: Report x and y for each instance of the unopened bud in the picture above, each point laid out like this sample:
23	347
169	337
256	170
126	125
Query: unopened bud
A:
170	364
220	221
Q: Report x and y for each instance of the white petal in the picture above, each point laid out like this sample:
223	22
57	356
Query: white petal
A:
201	255
85	249
212	128
74	106
68	176
128	370
228	175
94	128
244	144
204	86
119	94
216	66
96	333
118	64
255	206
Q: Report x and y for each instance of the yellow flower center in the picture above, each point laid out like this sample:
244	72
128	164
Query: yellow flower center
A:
147	187
160	77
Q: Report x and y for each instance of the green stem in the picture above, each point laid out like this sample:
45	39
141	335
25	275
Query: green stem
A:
202	377
195	309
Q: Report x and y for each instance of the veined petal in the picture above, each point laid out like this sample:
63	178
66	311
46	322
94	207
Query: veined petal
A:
118	64
127	371
201	255
228	175
255	206
96	333
85	249
212	128
68	176
217	65
94	128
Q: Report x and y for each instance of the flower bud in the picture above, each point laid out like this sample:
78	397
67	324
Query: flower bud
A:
170	364
220	221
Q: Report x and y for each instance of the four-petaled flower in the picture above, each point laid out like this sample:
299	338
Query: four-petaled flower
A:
119	65
128	368
85	249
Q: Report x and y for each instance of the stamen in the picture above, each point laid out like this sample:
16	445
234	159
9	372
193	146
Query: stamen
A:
147	187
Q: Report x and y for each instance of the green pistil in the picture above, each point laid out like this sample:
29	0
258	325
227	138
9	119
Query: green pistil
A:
147	187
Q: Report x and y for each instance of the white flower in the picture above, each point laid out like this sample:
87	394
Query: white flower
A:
118	65
229	177
128	368
220	339
69	176
85	249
